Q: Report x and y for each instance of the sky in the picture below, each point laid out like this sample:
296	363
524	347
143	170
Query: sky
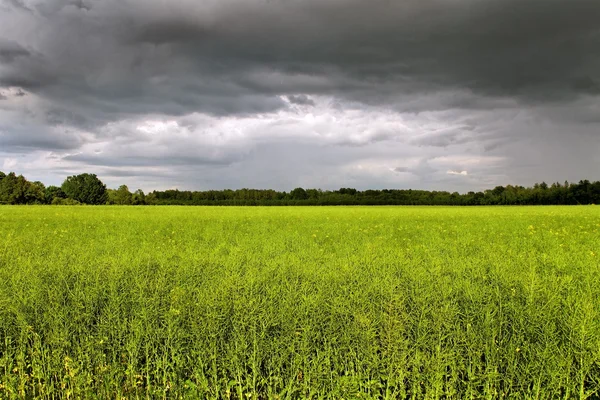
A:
454	95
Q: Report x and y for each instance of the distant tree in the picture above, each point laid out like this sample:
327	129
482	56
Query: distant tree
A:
348	191
53	192
151	198
313	193
111	196
298	194
2	199
138	197
498	190
88	189
7	188
85	188
123	196
35	193
583	192
18	190
13	189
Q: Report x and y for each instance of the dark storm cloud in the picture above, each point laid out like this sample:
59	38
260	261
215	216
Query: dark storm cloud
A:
529	49
9	51
587	85
20	68
203	56
32	138
467	76
140	161
301	99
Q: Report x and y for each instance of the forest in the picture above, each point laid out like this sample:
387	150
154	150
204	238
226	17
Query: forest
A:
89	189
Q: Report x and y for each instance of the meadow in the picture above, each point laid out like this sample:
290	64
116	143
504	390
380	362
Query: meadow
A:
299	302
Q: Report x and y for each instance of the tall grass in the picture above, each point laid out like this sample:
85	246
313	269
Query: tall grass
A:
290	303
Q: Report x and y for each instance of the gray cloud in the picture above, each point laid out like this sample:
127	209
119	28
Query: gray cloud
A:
32	138
587	84
140	161
301	99
10	51
203	55
18	4
470	77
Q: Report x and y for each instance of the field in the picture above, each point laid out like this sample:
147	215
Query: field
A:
291	303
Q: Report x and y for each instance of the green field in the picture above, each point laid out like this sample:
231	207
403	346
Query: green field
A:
341	302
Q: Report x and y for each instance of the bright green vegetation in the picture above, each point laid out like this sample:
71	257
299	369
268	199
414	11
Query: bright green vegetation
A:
380	302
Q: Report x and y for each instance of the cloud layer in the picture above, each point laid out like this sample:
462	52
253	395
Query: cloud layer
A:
437	94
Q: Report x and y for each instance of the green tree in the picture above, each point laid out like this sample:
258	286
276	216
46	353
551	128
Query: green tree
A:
18	190
348	191
111	196
139	197
85	188
123	195
298	194
7	187
35	192
13	189
53	192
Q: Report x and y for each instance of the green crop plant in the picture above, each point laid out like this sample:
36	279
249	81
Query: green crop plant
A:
299	303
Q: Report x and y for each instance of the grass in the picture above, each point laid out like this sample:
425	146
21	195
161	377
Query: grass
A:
290	303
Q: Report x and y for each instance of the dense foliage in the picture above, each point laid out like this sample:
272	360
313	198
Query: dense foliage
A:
85	188
300	303
88	189
583	192
18	190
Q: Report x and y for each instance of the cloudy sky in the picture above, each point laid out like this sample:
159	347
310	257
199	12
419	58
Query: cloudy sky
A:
434	94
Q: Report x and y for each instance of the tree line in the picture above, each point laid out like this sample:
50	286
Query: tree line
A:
88	189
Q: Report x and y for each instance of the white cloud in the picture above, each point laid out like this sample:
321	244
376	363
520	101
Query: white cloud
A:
450	172
9	163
